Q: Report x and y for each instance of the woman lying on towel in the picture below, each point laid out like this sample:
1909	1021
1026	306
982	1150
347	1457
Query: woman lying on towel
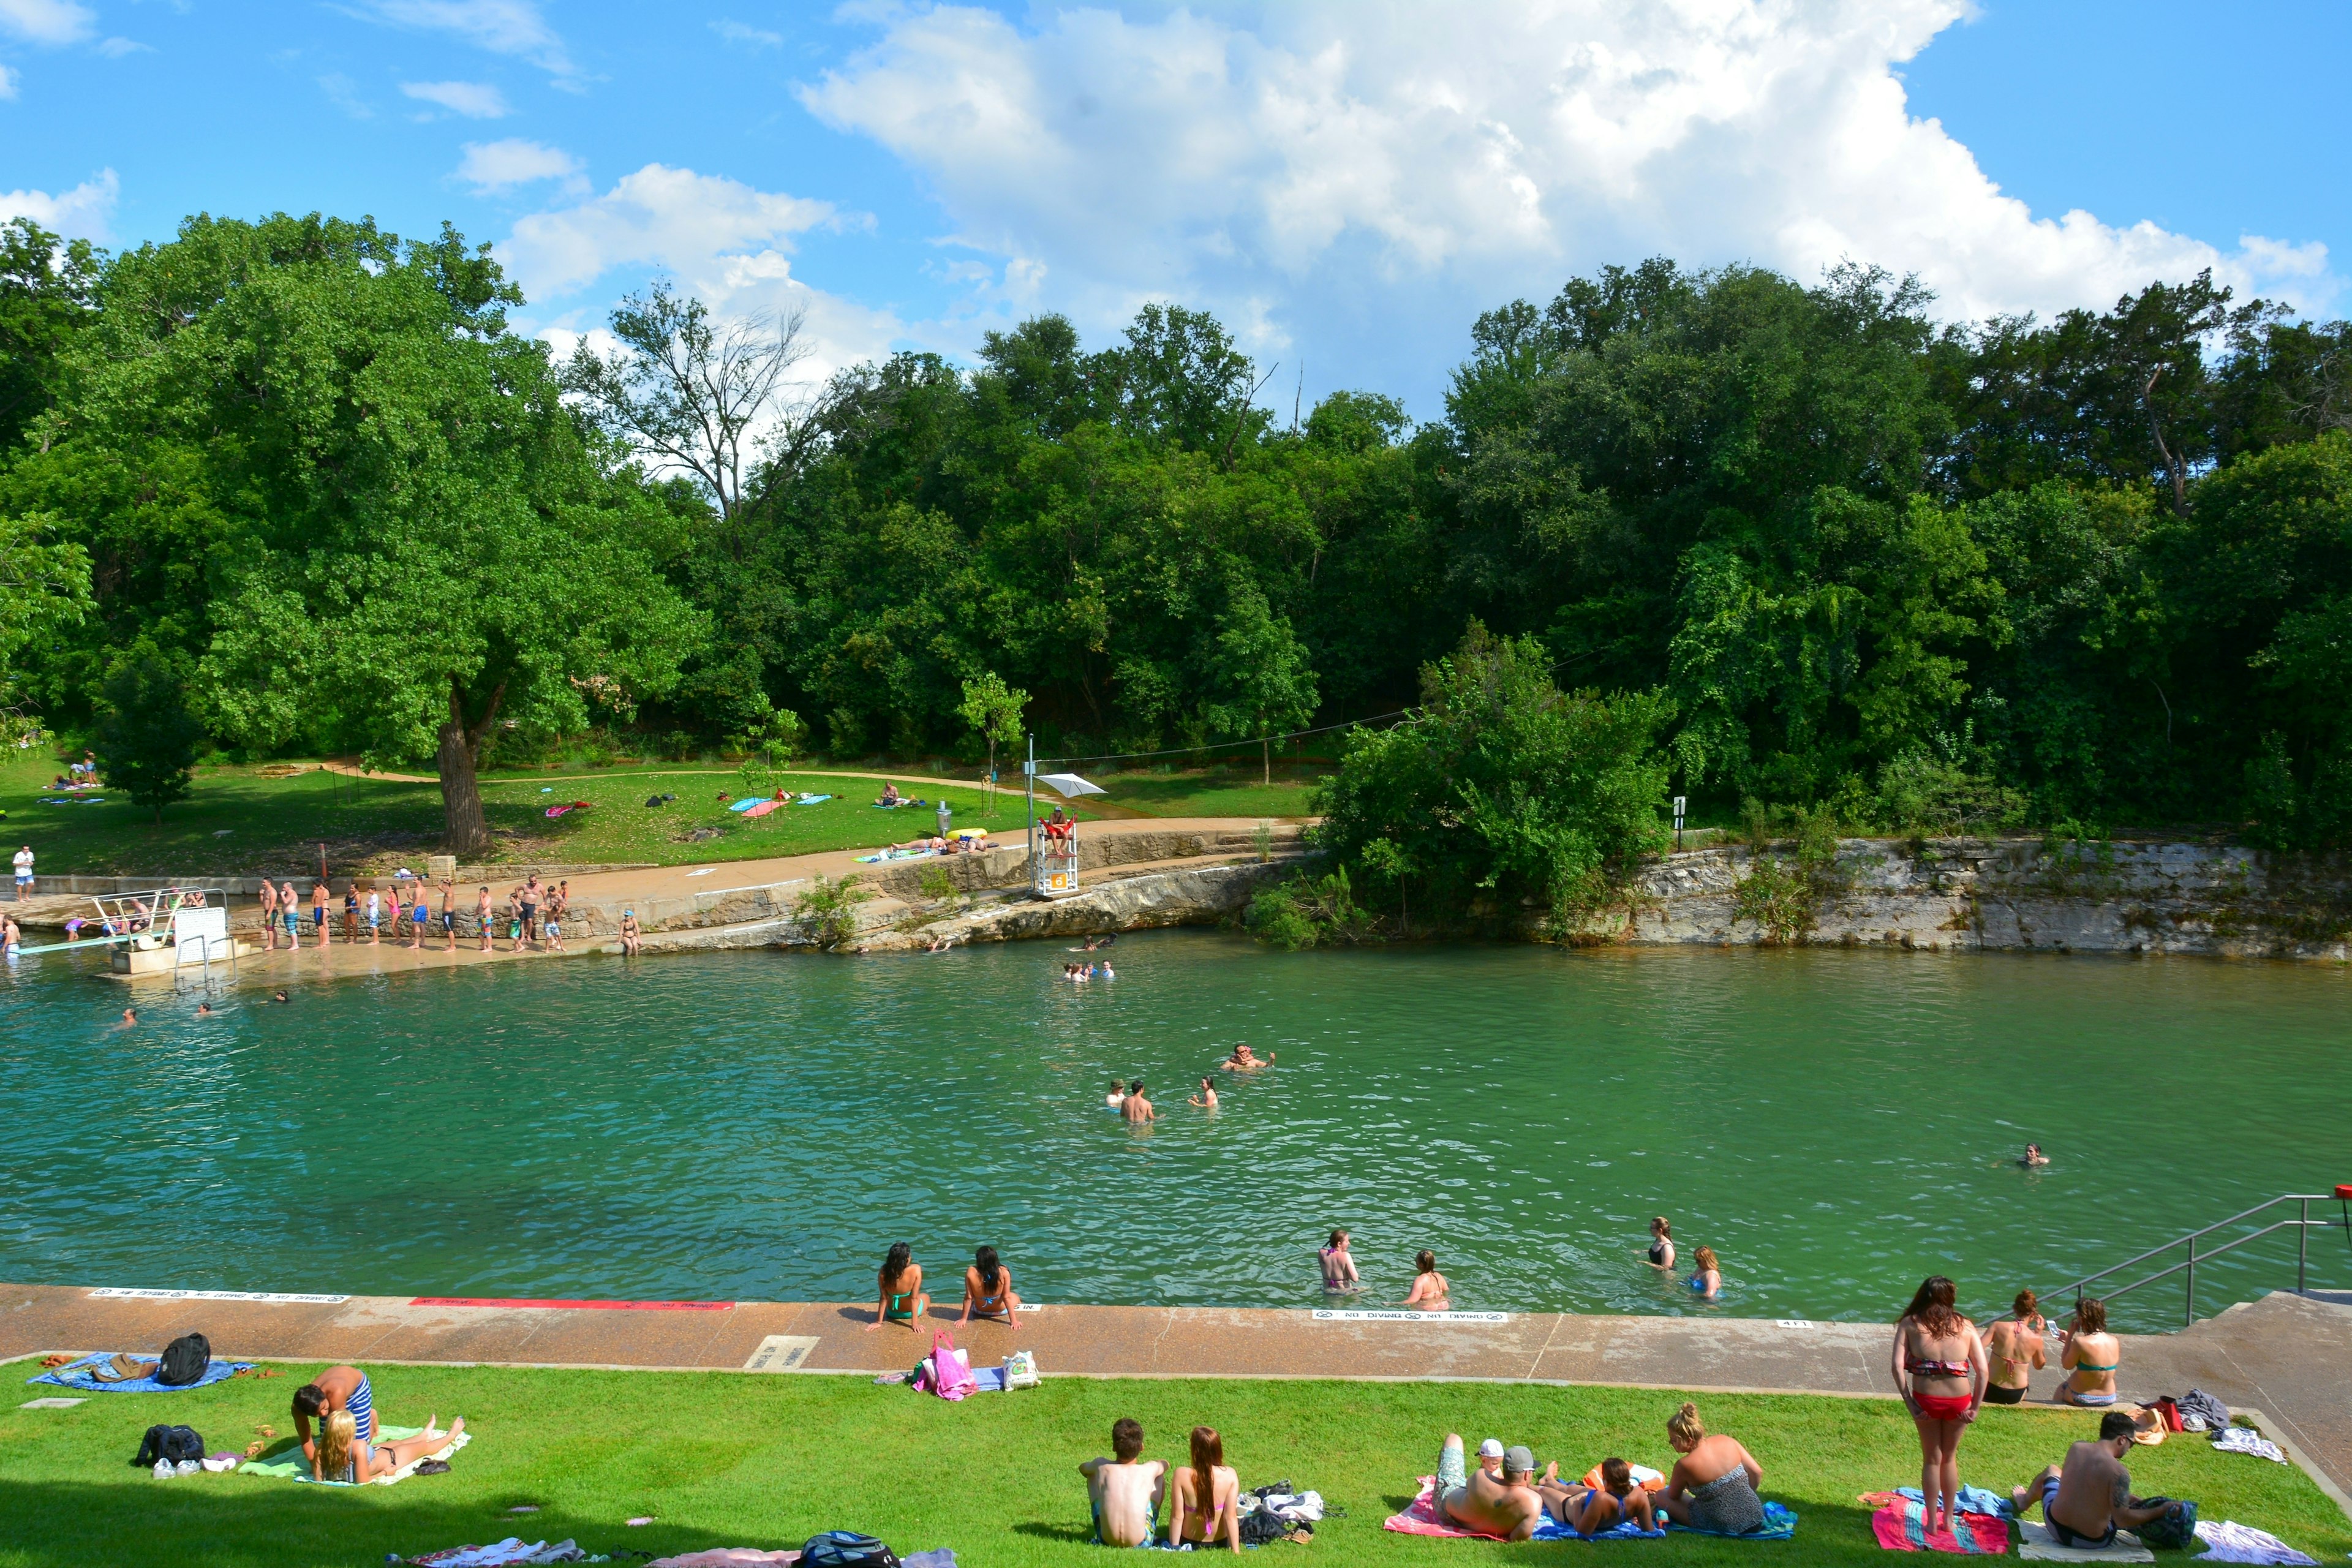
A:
344	1457
1713	1487
1588	1510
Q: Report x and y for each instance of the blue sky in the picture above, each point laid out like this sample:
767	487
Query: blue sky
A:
1347	182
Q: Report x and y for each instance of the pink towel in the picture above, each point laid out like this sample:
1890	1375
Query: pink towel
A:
764	808
1421	1519
1901	1526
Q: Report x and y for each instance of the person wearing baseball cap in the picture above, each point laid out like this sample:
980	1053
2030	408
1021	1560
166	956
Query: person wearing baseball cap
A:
1504	1504
1490	1456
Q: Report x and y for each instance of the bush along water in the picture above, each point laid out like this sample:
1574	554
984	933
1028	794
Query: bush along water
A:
1500	795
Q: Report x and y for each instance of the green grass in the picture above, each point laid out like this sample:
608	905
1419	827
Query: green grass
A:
1216	792
722	1460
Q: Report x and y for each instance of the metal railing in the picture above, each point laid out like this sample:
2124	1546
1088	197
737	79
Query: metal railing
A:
2302	1224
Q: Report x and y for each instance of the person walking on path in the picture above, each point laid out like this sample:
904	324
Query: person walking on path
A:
1939	1367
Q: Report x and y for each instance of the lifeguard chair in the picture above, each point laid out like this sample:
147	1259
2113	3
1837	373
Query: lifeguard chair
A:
1053	859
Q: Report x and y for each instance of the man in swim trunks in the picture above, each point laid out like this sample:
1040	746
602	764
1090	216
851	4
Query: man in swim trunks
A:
530	896
1503	1503
482	917
1125	1489
1135	1107
337	1388
2088	1498
319	897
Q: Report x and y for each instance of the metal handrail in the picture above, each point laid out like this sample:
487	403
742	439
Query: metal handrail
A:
2303	1225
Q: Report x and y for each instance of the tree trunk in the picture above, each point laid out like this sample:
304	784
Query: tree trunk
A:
461	796
1266	758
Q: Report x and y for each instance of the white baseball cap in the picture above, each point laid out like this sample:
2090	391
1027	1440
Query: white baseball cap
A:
1492	1448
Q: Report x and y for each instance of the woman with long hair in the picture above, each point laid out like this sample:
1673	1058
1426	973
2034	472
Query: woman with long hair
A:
1430	1292
1339	1275
987	1289
1208	1496
2013	1349
2090	1355
1940	1371
1708	1280
1714	1483
1662	1244
901	1297
344	1456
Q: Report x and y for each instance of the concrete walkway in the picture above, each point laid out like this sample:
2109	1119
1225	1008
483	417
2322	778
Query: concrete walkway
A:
2289	1357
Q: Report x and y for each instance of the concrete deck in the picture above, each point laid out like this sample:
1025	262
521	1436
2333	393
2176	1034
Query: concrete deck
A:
2289	1357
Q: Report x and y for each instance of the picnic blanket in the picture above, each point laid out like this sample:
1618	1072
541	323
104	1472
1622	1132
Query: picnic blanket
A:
812	800
1780	1524
764	808
288	1464
2230	1542
73	1375
2039	1545
895	855
746	804
1901	1525
1420	1517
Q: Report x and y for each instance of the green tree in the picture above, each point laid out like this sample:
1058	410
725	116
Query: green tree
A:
993	710
48	292
1259	678
147	736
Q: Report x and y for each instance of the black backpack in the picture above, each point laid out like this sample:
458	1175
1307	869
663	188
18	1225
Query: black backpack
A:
845	1549
172	1442
184	1362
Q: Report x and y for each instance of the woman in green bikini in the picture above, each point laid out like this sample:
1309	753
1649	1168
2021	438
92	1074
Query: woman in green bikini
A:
901	1280
2090	1355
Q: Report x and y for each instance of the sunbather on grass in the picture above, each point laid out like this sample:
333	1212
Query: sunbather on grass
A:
1588	1510
337	1388
1207	1497
2086	1499
1126	1489
343	1455
1714	1484
1507	1505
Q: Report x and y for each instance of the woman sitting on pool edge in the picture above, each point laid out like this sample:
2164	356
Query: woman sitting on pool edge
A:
1430	1292
2090	1355
343	1456
987	1289
901	1299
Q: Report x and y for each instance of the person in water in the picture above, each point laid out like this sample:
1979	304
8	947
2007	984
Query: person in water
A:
1662	1245
1135	1107
1125	1489
2033	1156
1339	1275
1939	1370
2090	1355
341	1454
987	1289
2013	1348
1207	1099
1708	1280
1714	1485
1118	1093
1492	1503
901	1297
1206	1496
2088	1497
1243	1059
1430	1292
1588	1510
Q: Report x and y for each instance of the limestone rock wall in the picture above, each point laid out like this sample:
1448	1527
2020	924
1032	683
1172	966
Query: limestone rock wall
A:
1956	895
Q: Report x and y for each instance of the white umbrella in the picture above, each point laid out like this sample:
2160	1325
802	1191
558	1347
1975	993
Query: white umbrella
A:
1070	785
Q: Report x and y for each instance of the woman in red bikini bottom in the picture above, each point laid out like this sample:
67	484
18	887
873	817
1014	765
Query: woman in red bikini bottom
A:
1941	1371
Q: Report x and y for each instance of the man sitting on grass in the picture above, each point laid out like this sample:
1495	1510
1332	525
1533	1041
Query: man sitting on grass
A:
1126	1489
1507	1505
2089	1497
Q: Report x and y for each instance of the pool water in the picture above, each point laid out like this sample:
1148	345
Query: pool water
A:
744	1126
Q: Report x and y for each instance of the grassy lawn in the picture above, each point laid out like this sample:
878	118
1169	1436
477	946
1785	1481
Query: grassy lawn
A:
1212	792
722	1459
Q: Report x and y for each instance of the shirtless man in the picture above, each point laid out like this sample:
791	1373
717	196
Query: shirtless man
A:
482	916
269	916
448	915
2088	1498
1126	1489
1135	1107
1243	1059
1505	1504
319	896
337	1388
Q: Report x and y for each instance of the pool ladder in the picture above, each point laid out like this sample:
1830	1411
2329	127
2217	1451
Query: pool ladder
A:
2300	1223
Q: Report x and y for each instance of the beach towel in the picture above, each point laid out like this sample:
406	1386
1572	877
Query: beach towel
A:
288	1464
1973	1499
895	855
2246	1440
1420	1517
812	800
727	1557
1780	1524
74	1375
511	1552
764	808
2231	1543
746	804
1902	1526
2038	1545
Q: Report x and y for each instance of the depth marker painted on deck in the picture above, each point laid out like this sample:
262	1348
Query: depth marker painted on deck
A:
1346	1315
279	1296
1795	1323
781	1352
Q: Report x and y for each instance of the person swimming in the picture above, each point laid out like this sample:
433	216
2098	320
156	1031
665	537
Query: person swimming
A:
1708	1280
1243	1059
1207	1099
2033	1156
1339	1275
1662	1244
1118	1093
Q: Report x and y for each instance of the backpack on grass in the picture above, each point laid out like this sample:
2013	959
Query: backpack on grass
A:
845	1549
185	1361
172	1444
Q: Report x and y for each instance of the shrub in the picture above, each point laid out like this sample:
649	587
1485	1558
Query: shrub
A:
828	910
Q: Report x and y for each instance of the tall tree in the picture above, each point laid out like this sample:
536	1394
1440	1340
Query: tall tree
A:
147	734
48	292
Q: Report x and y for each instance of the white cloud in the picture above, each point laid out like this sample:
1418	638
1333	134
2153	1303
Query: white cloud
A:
8	83
502	27
78	213
1314	164
48	21
724	241
474	100
738	32
501	165
115	49
344	94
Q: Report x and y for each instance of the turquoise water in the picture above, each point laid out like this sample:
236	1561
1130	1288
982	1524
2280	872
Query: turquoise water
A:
758	1126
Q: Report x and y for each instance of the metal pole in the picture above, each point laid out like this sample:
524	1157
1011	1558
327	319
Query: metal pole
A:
2189	1307
1029	779
2302	1246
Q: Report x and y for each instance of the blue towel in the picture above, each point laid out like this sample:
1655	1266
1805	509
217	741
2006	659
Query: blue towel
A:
72	1375
747	802
813	799
1623	1530
1973	1499
1780	1524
